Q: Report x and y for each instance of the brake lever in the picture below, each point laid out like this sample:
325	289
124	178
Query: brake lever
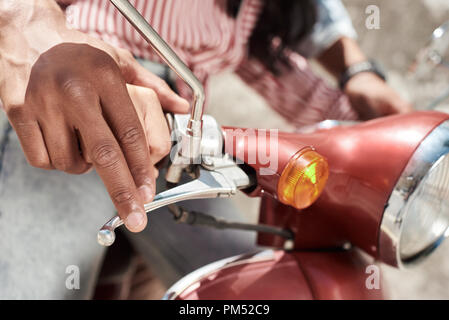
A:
219	177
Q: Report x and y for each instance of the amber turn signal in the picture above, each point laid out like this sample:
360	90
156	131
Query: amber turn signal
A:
303	179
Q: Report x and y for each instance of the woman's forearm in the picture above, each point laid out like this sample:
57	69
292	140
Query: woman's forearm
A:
341	55
370	96
20	14
32	23
27	29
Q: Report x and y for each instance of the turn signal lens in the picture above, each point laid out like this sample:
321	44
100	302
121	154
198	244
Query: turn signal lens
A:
303	179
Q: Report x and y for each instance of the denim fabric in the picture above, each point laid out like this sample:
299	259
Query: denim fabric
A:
48	221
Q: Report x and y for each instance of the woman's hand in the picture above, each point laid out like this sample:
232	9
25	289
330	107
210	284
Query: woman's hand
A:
66	96
371	97
152	119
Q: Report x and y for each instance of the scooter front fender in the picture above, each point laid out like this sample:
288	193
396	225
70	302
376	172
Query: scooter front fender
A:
279	275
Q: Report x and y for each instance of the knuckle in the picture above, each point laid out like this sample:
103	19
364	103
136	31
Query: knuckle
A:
75	89
122	195
105	155
131	136
63	164
100	58
81	169
104	64
124	56
15	112
161	148
38	162
109	74
125	61
163	87
140	170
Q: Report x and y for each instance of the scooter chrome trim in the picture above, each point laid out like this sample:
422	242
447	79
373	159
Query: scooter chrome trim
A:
181	285
433	149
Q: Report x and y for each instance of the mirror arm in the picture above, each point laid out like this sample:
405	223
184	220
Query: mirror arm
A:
191	147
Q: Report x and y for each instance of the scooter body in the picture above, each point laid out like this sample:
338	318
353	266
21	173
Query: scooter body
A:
338	238
386	197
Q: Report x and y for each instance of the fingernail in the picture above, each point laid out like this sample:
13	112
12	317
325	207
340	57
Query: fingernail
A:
134	220
146	193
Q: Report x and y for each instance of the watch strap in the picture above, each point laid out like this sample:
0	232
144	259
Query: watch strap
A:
364	66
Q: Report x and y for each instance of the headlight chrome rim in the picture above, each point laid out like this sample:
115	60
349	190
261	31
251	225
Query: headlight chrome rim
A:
432	150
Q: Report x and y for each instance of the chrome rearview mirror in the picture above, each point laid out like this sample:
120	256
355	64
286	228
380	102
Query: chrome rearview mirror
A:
440	44
432	65
436	53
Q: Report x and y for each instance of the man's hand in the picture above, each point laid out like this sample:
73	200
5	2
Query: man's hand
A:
371	97
67	98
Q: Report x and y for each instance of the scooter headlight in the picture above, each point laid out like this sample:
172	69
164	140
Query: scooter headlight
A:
416	219
427	212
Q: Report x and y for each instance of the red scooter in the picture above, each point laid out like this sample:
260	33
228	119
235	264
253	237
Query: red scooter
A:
331	197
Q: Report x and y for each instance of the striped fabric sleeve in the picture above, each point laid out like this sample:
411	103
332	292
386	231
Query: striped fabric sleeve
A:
298	95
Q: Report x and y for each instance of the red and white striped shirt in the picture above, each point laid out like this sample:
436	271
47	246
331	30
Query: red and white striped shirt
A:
210	41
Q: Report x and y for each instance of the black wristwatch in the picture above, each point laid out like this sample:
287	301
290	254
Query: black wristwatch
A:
365	66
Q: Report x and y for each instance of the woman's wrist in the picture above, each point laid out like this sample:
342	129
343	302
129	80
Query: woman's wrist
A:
368	66
34	24
27	29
